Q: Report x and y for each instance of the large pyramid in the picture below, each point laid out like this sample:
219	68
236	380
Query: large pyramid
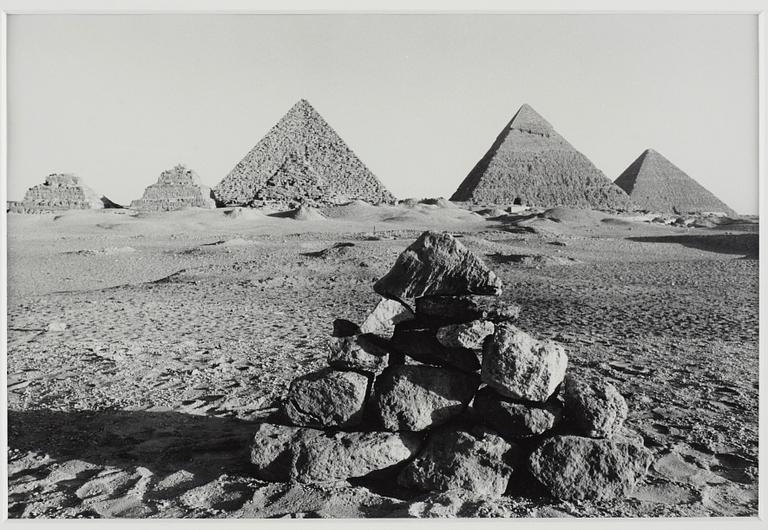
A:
176	188
656	184
530	163
61	191
301	160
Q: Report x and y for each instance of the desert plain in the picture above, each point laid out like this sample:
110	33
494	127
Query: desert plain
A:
144	347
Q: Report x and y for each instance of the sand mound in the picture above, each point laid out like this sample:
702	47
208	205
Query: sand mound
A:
108	251
243	213
573	216
351	209
307	213
534	260
440	202
491	212
336	251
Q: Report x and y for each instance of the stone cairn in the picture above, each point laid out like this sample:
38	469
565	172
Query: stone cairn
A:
394	402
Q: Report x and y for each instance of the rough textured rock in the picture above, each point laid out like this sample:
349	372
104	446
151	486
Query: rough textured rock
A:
345	328
656	184
513	419
60	191
327	398
468	335
176	188
438	311
317	500
363	352
385	316
423	346
301	160
437	264
594	410
576	468
460	503
530	163
480	462
281	453
518	366
414	398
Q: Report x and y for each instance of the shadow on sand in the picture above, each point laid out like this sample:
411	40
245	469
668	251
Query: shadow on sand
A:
159	441
746	244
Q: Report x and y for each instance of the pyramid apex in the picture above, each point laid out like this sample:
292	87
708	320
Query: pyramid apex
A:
528	120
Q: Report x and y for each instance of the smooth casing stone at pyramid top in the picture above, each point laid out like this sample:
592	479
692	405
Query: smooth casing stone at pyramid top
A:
530	163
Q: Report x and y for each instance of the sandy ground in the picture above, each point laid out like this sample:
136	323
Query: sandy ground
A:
142	347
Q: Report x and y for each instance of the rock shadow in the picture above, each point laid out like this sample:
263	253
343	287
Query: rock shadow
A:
746	244
162	442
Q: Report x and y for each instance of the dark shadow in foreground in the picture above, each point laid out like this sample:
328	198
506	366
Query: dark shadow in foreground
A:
745	244
159	441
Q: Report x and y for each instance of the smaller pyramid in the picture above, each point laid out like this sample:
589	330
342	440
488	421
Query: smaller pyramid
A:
61	191
300	161
530	163
176	188
656	184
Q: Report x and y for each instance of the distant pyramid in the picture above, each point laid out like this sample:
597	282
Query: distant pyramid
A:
530	163
61	191
176	188
301	160
656	184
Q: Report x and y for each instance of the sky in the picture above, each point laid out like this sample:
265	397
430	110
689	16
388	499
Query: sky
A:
117	99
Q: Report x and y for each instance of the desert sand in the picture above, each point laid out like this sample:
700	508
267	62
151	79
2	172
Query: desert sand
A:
144	346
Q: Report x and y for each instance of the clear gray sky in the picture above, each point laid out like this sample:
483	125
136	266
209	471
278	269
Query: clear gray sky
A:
420	98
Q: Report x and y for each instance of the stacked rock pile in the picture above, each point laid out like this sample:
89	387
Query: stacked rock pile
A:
394	400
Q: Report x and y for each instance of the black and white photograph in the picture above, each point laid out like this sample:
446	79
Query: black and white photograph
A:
358	264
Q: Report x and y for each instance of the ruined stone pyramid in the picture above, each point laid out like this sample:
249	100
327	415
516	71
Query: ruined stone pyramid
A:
61	191
301	160
530	163
656	184
176	188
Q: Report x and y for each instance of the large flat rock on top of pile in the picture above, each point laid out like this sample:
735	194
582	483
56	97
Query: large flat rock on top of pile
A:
437	264
478	462
575	468
282	453
415	397
518	366
327	398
